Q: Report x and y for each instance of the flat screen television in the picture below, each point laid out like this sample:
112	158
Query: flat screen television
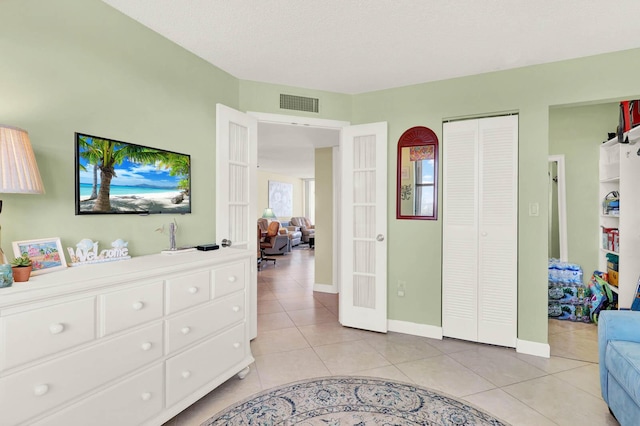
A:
114	177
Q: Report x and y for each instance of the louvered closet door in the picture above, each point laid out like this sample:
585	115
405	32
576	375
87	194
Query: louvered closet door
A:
498	225
460	230
479	277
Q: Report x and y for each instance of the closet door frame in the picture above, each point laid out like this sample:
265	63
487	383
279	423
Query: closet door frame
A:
480	230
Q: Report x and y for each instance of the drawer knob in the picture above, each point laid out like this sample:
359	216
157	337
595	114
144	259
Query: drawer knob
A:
146	396
40	390
236	345
56	328
236	309
185	330
137	306
232	279
186	374
193	290
146	346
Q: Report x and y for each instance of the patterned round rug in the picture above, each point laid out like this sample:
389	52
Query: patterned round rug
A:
353	401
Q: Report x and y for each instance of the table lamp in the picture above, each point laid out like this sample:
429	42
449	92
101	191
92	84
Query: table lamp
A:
268	214
19	172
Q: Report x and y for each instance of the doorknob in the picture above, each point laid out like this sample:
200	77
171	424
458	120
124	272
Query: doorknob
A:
380	237
226	243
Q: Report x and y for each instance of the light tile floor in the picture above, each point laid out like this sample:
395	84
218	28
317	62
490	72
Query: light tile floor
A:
299	337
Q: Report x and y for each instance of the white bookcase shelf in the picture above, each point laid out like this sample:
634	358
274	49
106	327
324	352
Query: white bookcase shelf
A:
619	170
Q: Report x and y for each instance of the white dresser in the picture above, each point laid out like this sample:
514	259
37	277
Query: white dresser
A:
123	343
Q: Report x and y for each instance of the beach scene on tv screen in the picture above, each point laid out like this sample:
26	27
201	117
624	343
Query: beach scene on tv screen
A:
118	177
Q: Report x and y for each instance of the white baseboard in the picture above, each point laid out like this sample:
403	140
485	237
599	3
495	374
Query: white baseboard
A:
533	348
433	332
325	288
415	329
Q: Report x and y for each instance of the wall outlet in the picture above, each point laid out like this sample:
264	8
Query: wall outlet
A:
402	286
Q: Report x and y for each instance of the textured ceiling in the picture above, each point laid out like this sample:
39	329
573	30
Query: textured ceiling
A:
355	46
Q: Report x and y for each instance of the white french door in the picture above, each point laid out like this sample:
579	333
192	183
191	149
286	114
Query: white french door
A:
363	222
480	230
236	165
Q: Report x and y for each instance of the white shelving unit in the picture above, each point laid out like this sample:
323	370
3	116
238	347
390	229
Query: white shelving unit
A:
620	171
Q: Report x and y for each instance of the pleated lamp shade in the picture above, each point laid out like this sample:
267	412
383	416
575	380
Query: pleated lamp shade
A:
18	168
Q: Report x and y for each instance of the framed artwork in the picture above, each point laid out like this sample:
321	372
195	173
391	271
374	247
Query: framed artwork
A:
281	198
405	173
46	254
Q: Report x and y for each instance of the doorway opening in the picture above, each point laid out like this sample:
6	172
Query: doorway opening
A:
290	145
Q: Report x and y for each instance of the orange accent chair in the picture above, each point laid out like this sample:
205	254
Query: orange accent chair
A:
272	241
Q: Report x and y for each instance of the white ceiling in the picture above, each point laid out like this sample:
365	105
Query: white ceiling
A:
289	150
356	46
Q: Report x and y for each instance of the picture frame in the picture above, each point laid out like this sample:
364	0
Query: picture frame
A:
46	254
405	173
281	198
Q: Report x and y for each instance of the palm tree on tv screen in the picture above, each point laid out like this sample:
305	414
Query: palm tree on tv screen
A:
88	153
109	154
178	165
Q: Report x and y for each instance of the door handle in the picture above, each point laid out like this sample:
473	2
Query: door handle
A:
380	237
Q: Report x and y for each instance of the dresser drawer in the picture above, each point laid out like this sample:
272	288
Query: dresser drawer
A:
228	279
188	290
30	392
130	402
192	326
33	334
132	306
191	370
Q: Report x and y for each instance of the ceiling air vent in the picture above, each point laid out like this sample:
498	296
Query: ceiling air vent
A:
299	103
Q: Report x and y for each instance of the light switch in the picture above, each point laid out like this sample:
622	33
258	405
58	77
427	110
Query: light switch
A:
534	209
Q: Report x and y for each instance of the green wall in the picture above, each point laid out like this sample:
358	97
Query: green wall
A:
577	133
415	246
324	216
263	97
79	65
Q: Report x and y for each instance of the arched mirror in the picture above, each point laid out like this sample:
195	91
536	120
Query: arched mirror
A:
417	192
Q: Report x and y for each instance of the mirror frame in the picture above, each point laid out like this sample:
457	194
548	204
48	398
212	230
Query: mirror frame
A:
417	136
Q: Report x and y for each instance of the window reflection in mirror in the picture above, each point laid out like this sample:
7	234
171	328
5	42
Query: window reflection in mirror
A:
417	175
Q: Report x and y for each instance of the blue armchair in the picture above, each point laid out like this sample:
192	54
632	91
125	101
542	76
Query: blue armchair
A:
619	357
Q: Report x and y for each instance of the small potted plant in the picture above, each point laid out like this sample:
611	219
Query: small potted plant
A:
21	267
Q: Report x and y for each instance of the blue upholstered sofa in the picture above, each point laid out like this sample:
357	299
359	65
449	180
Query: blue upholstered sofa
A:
619	351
